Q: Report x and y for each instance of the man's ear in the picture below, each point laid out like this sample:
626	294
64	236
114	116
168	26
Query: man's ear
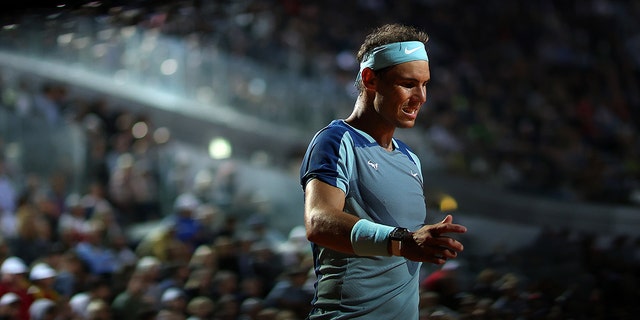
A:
369	79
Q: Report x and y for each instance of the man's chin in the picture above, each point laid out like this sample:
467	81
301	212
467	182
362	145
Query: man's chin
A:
406	124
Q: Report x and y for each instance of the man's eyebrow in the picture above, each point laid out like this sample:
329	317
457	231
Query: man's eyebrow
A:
401	78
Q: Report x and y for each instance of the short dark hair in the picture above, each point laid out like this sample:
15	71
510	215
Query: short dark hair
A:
390	33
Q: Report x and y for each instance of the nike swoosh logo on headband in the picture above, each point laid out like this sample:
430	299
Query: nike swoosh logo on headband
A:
410	51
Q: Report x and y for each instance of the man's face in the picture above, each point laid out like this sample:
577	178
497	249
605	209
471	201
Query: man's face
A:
401	91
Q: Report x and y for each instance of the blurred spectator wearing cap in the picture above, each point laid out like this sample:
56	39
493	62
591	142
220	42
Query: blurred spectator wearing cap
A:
204	257
174	275
250	308
10	306
78	305
173	304
188	229
98	309
14	279
42	278
200	308
149	268
43	309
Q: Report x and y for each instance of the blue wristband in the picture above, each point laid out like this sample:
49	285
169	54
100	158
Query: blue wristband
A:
370	238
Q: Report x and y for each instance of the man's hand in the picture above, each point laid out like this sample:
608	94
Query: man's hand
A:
431	244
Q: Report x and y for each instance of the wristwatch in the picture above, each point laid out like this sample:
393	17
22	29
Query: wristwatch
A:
396	237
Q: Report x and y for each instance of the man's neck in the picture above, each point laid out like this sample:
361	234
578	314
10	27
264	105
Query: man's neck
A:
365	118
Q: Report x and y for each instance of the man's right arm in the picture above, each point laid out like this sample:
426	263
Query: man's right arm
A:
326	223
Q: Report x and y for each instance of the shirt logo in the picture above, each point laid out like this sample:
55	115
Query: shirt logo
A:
373	164
410	51
414	174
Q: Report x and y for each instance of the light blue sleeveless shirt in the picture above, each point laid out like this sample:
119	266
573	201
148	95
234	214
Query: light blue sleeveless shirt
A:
384	187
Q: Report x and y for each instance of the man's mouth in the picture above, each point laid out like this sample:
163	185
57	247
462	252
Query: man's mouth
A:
410	111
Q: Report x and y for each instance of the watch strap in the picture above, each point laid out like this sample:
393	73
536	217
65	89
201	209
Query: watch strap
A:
396	248
395	238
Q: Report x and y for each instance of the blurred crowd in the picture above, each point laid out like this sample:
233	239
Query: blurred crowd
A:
539	97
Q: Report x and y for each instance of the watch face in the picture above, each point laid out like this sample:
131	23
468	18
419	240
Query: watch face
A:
398	233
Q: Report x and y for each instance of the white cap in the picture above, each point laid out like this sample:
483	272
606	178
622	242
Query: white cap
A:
147	262
13	265
42	271
79	303
172	294
186	201
9	298
38	308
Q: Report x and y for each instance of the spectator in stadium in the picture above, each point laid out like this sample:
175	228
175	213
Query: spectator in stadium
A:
96	253
96	289
42	278
189	230
446	283
73	224
98	310
43	309
8	199
31	230
200	308
72	273
365	209
9	306
291	293
173	304
49	104
13	272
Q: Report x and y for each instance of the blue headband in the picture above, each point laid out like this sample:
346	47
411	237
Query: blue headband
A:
393	53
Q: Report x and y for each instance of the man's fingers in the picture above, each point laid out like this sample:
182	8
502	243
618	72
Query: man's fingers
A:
448	228
447	219
446	243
